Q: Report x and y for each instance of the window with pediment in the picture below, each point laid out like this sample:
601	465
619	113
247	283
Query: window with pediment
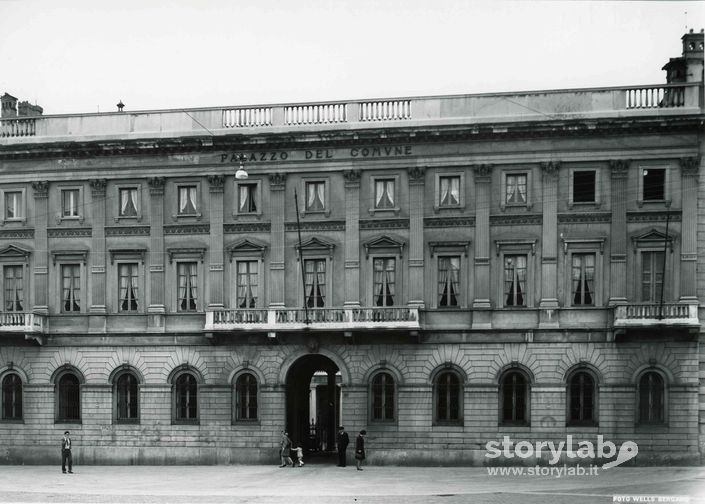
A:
14	263
653	252
385	255
13	201
317	255
11	400
247	260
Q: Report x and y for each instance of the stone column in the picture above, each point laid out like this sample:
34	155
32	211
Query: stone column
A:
481	298
215	268
549	244
352	238
690	169
417	180
619	170
277	187
41	247
156	248
98	283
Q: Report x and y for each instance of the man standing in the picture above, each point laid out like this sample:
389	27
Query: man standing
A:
66	453
342	439
285	450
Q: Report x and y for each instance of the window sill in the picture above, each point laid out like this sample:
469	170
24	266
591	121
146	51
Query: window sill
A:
126	422
245	423
383	211
186	422
128	218
448	208
459	424
196	216
12	421
66	421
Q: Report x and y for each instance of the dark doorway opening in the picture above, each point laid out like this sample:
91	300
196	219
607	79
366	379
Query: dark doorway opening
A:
313	406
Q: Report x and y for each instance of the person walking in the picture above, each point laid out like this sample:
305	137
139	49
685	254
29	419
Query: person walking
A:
299	451
285	450
360	448
342	440
66	453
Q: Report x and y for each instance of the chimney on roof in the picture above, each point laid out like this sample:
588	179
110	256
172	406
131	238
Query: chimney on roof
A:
688	67
8	105
26	109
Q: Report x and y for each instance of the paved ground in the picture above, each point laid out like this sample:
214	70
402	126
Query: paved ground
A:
318	484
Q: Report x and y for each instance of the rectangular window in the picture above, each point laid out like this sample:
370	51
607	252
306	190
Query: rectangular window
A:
13	205
71	288
187	278
247	198
515	280
188	200
584	186
516	187
583	278
654	184
128	294
14	288
448	281
69	202
315	282
449	191
247	284
384	193
651	276
128	202
315	196
384	281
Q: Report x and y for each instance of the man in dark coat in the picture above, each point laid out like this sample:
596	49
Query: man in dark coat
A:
66	453
342	440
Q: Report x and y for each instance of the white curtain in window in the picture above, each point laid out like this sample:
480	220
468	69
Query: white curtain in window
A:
244	200
521	184
193	284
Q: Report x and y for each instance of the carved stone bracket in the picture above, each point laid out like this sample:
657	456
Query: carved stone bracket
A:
352	178
216	183
41	189
417	174
689	166
156	186
550	169
483	172
98	188
277	181
619	168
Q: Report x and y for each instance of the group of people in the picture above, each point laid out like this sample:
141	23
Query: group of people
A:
342	442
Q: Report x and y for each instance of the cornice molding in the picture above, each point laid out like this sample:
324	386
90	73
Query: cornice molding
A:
384	224
445	222
61	232
182	229
127	231
247	228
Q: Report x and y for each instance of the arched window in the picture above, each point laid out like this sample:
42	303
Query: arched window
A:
582	399
383	397
185	399
246	397
514	398
11	397
448	398
127	398
68	398
651	398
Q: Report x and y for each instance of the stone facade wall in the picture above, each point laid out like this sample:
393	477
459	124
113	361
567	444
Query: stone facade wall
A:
412	438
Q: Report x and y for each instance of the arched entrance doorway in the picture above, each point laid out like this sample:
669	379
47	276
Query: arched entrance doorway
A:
313	404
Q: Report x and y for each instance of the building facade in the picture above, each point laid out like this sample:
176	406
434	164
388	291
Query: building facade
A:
440	271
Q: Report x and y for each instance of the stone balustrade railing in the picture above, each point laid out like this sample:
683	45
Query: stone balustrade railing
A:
439	110
647	314
279	319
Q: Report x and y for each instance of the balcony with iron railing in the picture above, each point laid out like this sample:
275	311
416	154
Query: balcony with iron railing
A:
630	101
287	319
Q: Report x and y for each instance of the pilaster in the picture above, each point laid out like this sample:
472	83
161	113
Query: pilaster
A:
483	178
352	237
549	244
690	169
98	284
277	186
156	249
41	247
216	183
417	179
619	170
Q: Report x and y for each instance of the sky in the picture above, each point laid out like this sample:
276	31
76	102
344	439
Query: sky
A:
77	56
